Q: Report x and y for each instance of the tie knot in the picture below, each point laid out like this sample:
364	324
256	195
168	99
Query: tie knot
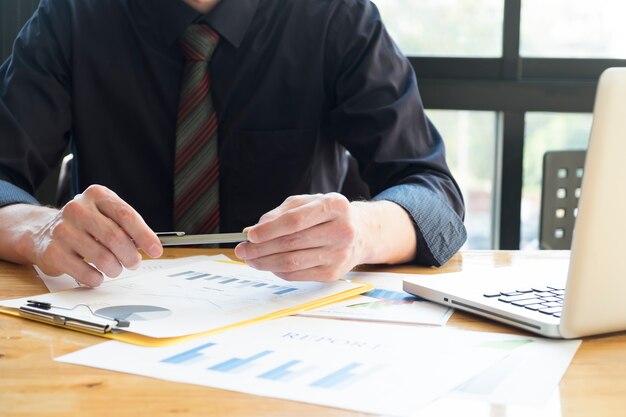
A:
198	42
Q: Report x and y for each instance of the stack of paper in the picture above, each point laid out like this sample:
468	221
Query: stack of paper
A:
170	305
356	364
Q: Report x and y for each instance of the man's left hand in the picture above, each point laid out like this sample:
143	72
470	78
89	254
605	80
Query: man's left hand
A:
307	238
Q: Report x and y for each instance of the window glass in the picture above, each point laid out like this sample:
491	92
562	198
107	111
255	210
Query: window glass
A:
545	132
573	28
470	139
457	28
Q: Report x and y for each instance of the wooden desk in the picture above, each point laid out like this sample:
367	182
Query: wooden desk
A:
32	384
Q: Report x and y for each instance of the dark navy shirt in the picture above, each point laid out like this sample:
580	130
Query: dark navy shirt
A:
295	83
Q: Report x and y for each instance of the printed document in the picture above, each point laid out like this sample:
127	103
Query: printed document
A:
367	367
190	299
386	302
64	281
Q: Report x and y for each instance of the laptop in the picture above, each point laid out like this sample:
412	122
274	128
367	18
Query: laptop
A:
588	295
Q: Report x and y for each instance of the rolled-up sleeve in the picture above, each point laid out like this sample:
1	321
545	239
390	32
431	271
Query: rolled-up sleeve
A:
441	231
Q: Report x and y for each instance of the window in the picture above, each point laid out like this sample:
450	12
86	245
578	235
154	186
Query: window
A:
573	28
470	136
445	27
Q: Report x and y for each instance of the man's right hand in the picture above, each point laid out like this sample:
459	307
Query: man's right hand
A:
96	227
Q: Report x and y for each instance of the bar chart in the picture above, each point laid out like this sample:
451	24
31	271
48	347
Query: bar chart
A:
392	295
232	281
385	304
279	367
339	378
366	367
238	364
188	356
386	298
286	371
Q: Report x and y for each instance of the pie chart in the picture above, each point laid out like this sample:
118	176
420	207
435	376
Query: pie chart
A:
134	312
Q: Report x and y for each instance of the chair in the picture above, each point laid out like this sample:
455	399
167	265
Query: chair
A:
562	178
64	185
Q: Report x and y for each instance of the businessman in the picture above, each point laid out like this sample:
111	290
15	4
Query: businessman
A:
220	115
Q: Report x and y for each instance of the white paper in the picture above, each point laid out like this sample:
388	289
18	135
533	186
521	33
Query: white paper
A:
367	367
387	302
454	405
64	281
528	376
187	299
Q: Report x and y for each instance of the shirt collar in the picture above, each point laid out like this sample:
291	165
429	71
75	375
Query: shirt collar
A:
230	18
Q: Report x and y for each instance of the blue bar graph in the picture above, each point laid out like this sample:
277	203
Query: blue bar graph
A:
234	363
337	377
187	355
211	277
198	276
180	274
240	283
280	372
285	291
391	295
246	283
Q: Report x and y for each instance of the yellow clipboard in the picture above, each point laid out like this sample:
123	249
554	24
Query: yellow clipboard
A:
31	312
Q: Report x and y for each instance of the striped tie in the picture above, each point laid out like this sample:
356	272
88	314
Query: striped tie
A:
196	169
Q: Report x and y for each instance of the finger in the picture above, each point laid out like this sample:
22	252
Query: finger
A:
288	204
112	207
103	259
318	211
58	259
318	273
110	236
327	234
136	231
296	260
80	242
84	273
110	241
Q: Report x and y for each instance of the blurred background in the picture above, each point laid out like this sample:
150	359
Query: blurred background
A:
503	80
529	52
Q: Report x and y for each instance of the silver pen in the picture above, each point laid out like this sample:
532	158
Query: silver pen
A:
180	238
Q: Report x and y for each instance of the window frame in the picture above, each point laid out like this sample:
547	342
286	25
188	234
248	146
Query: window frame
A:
511	86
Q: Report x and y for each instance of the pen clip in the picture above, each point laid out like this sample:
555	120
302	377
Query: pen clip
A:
170	234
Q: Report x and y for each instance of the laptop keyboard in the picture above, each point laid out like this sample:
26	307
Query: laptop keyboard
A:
546	300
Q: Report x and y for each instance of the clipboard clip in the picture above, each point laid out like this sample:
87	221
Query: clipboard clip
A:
40	310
